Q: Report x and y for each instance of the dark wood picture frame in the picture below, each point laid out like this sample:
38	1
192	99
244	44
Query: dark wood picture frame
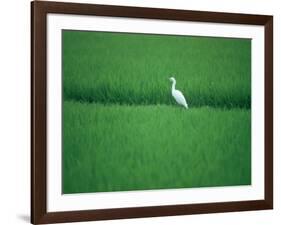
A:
39	11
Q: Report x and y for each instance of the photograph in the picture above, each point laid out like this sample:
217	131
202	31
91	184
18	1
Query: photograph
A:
154	111
148	112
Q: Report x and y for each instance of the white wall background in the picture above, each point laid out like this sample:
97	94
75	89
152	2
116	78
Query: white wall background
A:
15	111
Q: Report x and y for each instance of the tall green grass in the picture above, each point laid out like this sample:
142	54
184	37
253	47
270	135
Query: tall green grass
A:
119	148
122	130
134	69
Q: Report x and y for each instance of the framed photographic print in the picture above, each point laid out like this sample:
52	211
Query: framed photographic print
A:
142	112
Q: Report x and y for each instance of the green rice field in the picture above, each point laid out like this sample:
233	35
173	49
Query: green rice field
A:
122	129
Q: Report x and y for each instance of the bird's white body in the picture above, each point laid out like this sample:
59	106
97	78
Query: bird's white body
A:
178	96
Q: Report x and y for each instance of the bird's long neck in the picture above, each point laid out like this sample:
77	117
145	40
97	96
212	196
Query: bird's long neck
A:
174	86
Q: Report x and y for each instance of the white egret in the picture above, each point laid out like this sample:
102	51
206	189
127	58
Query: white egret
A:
178	96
